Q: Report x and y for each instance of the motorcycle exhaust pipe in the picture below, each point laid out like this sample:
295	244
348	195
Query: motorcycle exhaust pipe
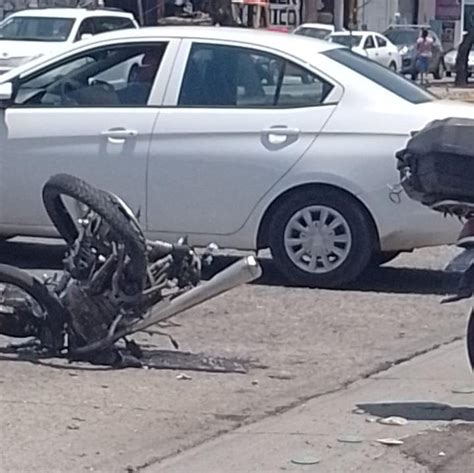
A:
241	272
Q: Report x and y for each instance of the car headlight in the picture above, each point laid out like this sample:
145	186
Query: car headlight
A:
404	50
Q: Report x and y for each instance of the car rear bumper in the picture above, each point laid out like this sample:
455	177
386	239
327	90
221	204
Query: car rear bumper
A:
404	224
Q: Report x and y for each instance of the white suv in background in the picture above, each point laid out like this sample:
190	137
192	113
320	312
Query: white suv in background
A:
29	34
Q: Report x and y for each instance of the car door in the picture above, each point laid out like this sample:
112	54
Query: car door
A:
437	56
384	51
84	117
371	49
236	120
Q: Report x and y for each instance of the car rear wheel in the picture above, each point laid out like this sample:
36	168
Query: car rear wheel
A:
323	239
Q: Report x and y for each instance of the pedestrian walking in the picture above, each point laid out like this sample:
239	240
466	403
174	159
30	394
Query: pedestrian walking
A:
424	52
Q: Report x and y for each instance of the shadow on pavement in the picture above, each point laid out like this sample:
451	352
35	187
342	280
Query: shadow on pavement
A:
380	279
427	411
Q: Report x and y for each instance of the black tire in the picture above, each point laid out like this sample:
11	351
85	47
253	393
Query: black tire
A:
449	73
362	232
470	339
51	328
439	71
384	257
104	205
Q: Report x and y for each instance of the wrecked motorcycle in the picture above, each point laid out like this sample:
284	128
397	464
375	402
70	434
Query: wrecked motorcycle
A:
437	169
115	282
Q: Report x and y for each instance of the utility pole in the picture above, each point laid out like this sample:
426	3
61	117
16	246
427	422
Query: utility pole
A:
339	14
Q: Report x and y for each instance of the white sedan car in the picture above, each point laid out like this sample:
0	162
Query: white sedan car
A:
203	141
372	45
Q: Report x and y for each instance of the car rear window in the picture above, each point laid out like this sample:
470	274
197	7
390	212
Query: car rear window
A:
381	75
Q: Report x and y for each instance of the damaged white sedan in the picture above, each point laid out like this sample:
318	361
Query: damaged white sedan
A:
248	139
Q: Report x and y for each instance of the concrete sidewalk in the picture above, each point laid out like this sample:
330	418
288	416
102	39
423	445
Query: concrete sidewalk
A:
327	429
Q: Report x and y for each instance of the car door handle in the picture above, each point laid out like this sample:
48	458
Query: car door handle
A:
277	136
281	131
119	134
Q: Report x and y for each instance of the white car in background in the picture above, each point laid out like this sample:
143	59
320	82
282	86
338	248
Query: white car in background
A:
31	33
372	45
450	62
203	141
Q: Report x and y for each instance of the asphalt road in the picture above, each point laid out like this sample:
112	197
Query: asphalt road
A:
298	344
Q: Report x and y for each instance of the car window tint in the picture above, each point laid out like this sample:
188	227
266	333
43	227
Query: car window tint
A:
381	42
87	27
381	75
103	77
318	33
369	42
227	76
103	24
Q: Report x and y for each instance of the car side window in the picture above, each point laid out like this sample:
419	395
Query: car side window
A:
114	76
381	42
102	24
86	27
369	42
228	76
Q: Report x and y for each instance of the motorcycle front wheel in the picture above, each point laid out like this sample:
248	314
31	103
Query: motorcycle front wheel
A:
29	309
69	200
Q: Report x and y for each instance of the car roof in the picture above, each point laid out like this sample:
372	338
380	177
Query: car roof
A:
271	39
70	13
353	33
324	26
409	27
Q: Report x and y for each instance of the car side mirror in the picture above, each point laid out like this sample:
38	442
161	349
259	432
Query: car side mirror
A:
86	36
6	94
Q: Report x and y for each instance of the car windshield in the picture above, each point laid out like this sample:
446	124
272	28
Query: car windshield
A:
401	37
30	28
320	33
346	39
381	75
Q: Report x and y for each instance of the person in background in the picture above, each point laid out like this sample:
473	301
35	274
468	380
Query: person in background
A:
424	52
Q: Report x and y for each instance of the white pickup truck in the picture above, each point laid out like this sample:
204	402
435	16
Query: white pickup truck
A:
32	33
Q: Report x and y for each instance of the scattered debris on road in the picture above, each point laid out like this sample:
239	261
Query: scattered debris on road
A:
350	439
390	442
184	377
306	460
394	420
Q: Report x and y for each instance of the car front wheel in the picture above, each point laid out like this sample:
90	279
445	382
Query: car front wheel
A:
439	72
321	239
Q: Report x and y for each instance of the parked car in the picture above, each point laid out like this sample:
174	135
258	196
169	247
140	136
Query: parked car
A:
372	45
405	37
203	145
31	33
315	30
450	62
